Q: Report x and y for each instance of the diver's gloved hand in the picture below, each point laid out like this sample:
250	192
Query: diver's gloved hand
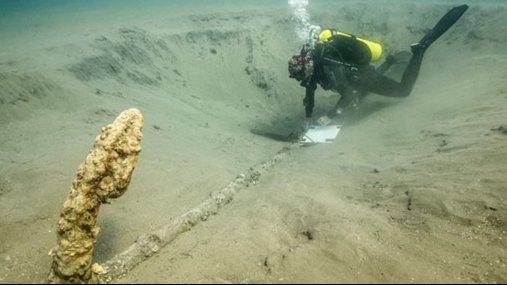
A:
324	120
334	112
328	118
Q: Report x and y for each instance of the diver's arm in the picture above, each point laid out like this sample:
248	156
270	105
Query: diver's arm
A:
309	100
346	97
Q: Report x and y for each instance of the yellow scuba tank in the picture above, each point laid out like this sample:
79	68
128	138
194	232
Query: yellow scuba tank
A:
374	47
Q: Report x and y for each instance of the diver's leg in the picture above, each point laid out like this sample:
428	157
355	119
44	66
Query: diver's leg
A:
418	49
411	73
390	60
375	82
372	80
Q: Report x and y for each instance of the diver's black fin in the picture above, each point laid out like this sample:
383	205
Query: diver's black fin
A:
447	21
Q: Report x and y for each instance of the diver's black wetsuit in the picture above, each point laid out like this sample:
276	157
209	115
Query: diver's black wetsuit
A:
342	65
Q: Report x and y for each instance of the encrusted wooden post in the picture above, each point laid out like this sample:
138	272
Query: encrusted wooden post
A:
105	174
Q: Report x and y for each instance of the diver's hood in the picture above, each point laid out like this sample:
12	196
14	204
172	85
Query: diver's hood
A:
301	65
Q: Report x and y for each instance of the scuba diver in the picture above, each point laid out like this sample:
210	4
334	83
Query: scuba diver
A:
341	62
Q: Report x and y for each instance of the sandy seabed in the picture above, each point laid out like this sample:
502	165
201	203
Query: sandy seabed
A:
413	190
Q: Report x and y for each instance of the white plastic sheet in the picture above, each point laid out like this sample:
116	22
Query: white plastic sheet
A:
321	134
